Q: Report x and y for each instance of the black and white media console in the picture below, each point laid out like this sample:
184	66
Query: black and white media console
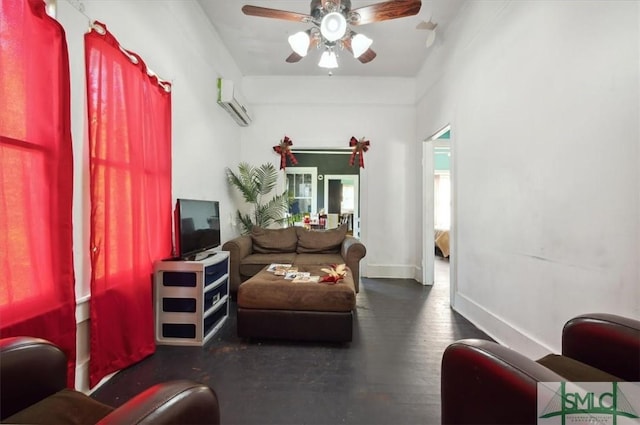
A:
191	299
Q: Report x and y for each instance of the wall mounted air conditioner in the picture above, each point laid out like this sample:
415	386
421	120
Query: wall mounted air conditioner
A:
232	101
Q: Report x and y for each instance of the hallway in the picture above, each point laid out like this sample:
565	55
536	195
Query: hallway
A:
441	268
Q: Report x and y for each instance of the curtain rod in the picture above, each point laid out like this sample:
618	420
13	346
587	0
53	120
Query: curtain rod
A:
76	4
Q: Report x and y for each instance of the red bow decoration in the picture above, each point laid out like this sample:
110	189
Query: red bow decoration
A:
335	273
284	150
359	148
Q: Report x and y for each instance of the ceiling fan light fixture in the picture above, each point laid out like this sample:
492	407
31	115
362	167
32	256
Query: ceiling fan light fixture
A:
431	38
333	26
328	60
300	42
360	43
426	25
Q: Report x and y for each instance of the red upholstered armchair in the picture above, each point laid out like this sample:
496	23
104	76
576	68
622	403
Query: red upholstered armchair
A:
485	383
33	374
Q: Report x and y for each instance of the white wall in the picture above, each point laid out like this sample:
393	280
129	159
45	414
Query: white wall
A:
175	40
543	98
326	112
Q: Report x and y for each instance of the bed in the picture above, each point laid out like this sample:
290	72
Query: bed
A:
441	237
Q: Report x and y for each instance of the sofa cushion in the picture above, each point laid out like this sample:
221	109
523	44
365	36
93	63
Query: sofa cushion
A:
320	241
574	370
253	263
64	407
318	259
271	241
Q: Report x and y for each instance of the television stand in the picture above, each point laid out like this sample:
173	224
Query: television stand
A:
202	256
191	299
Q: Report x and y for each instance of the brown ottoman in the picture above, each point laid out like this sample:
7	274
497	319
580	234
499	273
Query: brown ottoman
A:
271	307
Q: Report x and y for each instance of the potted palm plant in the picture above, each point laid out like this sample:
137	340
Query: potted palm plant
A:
254	184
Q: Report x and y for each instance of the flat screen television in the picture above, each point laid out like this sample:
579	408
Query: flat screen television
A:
198	227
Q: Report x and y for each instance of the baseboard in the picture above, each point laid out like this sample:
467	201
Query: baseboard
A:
500	330
418	274
390	271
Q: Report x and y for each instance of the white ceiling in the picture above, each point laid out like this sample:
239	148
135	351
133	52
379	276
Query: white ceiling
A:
259	45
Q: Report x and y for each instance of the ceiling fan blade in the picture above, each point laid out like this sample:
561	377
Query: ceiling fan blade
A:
266	12
367	56
293	58
384	11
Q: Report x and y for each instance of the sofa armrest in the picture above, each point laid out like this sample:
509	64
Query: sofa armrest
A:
605	341
352	251
176	402
31	369
485	383
238	248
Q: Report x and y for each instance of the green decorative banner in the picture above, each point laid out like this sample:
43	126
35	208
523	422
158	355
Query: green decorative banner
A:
574	403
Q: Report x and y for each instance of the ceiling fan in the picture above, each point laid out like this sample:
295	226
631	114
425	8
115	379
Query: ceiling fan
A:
330	30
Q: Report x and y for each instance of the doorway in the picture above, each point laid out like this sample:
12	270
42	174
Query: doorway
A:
332	168
439	209
341	201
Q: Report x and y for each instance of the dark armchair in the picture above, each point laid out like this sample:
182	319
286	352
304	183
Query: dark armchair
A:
33	374
485	383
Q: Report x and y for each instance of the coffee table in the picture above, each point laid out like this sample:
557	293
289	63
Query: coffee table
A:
271	307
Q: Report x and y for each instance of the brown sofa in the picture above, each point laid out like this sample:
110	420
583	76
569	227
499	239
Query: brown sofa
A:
292	245
485	383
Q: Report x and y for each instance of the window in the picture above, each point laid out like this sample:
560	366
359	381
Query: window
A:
302	187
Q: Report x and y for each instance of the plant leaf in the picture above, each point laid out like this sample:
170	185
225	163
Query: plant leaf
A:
267	177
253	183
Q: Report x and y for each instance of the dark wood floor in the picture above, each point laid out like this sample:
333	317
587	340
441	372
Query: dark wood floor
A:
388	374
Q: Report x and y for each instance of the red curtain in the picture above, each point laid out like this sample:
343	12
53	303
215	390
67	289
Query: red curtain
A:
130	185
37	295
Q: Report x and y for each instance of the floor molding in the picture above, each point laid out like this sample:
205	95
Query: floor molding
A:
499	329
391	271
